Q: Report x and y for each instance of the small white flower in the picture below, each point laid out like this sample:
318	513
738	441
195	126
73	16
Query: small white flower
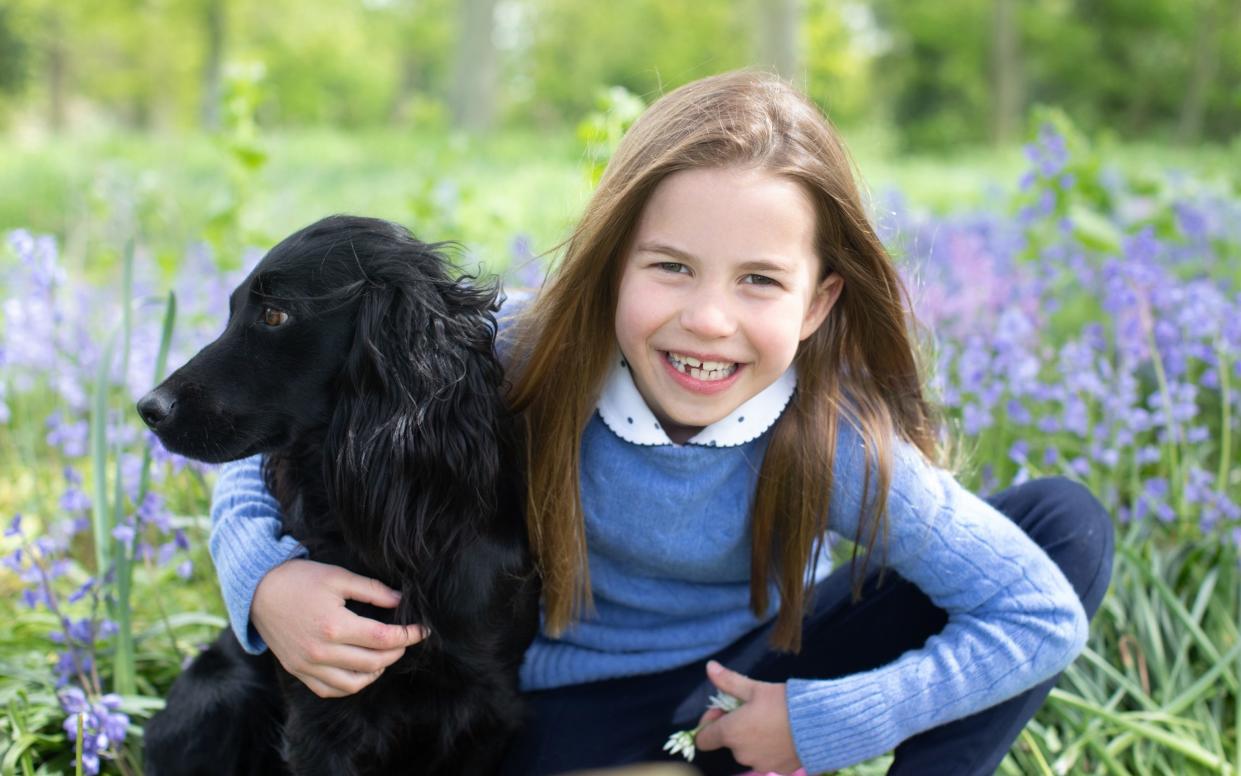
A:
682	742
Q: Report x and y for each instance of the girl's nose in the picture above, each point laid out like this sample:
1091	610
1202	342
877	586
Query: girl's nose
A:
707	318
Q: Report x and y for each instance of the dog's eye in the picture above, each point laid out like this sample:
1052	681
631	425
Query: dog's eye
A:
274	317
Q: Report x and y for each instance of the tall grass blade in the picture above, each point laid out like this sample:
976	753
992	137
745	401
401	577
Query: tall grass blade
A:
125	580
161	363
100	509
124	672
1143	729
1182	614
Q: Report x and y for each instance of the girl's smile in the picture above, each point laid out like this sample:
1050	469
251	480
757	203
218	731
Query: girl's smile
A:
720	283
705	374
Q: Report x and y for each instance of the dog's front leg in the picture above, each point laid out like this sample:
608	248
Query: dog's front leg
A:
222	715
326	736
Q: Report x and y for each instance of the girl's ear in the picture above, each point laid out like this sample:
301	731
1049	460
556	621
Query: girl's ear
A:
821	303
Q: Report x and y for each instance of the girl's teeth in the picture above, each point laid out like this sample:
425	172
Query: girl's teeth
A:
701	370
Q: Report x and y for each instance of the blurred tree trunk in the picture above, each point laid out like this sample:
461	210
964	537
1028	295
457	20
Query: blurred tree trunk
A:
473	98
57	68
410	82
214	27
13	55
1006	77
778	22
1201	77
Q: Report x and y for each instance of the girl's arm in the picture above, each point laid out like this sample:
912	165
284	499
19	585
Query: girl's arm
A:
1013	618
296	606
247	541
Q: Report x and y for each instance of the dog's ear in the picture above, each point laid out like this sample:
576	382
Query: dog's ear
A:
412	453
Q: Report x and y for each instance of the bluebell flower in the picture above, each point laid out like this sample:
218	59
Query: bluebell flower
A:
80	592
1017	412
153	512
74	500
165	554
1191	221
104	726
81	630
974	418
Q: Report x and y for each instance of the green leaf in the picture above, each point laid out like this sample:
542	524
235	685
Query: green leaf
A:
100	508
1094	231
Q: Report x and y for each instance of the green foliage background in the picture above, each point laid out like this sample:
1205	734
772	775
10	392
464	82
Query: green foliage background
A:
1167	69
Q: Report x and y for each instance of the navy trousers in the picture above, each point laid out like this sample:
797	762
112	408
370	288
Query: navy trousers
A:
627	720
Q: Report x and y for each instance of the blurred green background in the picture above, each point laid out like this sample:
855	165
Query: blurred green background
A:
939	74
462	117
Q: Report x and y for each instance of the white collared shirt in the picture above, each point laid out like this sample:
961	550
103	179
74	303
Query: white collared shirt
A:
625	412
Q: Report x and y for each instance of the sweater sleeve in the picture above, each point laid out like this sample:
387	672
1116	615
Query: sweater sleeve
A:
1013	618
246	541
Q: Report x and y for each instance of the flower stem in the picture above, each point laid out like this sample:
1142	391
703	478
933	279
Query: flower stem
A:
54	607
1173	441
78	745
1225	431
163	613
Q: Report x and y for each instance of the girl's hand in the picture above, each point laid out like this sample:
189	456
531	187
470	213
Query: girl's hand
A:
299	610
758	733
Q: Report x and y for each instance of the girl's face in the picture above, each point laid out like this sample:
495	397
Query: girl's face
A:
719	285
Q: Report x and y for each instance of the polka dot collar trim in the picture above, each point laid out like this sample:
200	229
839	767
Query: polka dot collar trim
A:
624	411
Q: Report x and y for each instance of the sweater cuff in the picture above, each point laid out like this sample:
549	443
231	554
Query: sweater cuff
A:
240	568
839	722
247	541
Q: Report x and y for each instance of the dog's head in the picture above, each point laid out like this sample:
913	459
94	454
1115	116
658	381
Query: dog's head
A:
346	318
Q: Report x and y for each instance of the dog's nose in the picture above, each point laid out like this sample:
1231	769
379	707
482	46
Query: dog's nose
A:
155	407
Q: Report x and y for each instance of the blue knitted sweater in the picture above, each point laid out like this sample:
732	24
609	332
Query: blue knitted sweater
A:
668	537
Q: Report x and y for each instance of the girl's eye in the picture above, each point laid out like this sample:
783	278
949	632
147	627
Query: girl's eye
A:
274	317
672	266
760	280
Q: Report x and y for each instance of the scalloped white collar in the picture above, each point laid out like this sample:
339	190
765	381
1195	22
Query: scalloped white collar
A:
624	411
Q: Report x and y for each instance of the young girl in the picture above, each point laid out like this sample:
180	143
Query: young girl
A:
717	374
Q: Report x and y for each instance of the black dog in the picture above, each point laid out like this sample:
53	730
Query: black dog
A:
366	373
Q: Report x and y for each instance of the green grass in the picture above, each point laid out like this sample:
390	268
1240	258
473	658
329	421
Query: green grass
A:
480	191
1156	691
498	187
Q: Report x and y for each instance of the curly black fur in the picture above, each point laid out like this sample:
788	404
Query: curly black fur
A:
377	403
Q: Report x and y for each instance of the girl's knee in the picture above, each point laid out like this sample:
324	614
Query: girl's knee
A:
1077	532
1084	516
1055	509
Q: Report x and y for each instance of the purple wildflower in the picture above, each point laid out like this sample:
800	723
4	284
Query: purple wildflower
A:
104	726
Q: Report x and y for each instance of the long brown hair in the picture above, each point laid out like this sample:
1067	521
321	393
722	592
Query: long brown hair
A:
860	364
